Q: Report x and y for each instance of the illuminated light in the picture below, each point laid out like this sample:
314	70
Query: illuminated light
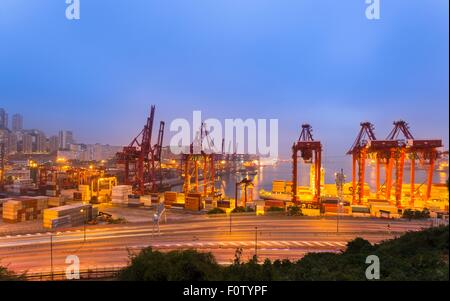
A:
222	162
61	159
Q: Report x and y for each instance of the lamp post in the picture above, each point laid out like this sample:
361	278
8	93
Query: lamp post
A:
230	222
85	218
51	255
340	203
256	242
340	180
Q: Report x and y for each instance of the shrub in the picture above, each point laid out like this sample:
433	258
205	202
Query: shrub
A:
215	211
242	209
416	214
275	209
185	265
7	275
413	256
295	211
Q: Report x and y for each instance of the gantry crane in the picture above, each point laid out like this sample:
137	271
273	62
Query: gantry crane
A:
385	152
140	157
398	155
425	150
192	163
157	156
359	155
310	152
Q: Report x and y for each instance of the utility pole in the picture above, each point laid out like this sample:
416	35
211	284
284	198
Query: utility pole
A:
51	255
236	194
85	220
160	210
256	242
340	180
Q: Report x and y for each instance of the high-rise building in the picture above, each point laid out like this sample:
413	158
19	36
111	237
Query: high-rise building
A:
53	144
17	122
12	143
65	139
41	143
27	144
3	119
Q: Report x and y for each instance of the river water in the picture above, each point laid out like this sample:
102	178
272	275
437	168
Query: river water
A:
283	171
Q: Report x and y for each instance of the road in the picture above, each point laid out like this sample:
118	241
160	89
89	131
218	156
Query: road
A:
276	237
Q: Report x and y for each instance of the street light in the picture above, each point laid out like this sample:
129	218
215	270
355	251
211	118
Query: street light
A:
340	180
85	218
230	221
256	243
51	255
340	203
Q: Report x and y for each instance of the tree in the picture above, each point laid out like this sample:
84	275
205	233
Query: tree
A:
7	275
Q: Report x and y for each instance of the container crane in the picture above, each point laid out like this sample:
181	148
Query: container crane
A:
425	150
157	156
359	154
139	157
399	154
311	152
193	161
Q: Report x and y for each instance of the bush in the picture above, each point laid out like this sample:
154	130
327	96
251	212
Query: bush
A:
275	209
6	275
416	214
295	211
241	209
413	256
185	265
216	211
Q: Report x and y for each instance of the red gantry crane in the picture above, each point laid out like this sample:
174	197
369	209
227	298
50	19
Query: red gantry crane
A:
140	157
398	155
310	152
194	160
359	155
425	150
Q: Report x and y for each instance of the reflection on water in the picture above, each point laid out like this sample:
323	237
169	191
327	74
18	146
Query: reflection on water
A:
283	171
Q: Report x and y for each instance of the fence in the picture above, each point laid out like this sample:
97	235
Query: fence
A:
96	273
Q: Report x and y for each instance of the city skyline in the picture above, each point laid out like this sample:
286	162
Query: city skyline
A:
323	63
202	144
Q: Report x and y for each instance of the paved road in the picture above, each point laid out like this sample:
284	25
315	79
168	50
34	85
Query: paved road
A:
277	237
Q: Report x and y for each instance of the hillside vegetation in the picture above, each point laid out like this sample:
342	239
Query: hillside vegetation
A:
413	256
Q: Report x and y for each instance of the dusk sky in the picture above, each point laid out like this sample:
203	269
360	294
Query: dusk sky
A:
316	61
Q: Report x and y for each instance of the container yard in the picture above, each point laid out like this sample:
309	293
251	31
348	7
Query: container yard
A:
141	177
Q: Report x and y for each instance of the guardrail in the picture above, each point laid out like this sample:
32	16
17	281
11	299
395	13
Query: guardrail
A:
96	273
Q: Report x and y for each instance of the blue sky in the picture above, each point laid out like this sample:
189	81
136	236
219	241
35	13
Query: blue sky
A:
315	61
